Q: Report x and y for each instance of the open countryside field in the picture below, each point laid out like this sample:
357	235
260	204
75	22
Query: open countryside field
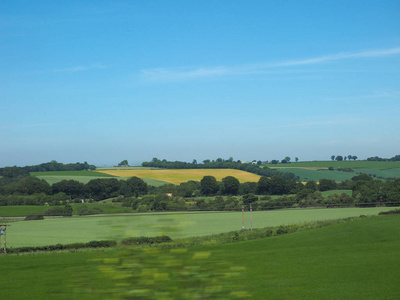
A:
177	176
354	260
316	175
316	170
52	177
177	225
381	165
71	173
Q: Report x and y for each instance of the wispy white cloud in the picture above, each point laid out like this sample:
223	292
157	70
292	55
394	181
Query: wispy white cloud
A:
81	68
187	73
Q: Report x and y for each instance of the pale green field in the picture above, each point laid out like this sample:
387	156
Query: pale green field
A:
51	179
343	164
87	228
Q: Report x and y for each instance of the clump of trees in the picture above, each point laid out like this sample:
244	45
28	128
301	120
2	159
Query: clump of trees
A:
377	158
44	167
341	158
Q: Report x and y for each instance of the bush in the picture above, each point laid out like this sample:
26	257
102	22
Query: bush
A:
145	240
101	244
92	244
85	210
65	211
34	217
390	212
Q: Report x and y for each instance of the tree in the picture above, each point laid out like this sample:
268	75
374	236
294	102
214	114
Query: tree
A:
249	198
354	157
296	159
349	157
209	185
333	157
339	158
71	188
230	186
248	188
123	163
327	185
287	158
136	186
264	186
311	185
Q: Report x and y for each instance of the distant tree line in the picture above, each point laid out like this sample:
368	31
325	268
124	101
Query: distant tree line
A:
376	158
30	190
341	158
44	167
220	163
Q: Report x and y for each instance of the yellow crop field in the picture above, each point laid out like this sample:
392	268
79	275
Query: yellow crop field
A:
177	176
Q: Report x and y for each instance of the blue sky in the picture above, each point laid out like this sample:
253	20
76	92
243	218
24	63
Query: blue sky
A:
104	81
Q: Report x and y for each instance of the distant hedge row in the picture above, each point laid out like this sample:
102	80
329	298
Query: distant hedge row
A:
95	244
91	244
143	240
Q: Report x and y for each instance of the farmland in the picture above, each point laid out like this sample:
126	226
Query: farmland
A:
353	260
86	228
316	170
177	176
341	164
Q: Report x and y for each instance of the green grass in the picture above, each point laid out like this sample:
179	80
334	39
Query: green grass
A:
51	179
24	210
354	260
86	176
98	227
385	173
332	192
127	168
316	175
21	210
71	173
343	164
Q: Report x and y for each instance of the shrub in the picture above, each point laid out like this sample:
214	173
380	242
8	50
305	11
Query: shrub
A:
34	217
85	210
101	244
142	240
390	212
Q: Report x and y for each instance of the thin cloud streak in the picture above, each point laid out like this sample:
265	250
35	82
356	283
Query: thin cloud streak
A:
81	68
182	74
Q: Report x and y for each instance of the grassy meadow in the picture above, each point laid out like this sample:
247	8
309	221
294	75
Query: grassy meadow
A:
177	225
353	260
381	165
177	176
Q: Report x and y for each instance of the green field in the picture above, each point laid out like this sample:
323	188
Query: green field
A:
24	210
381	165
316	175
52	177
98	227
386	173
353	260
71	173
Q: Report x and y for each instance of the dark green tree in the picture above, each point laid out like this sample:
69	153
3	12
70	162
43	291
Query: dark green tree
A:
327	185
209	186
123	163
230	186
136	186
264	186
